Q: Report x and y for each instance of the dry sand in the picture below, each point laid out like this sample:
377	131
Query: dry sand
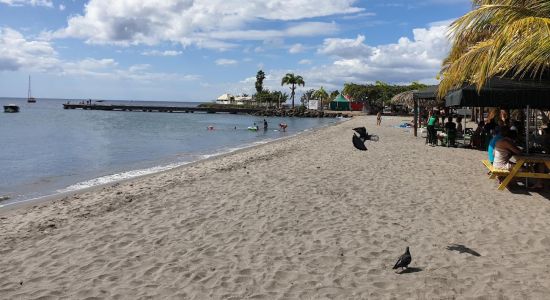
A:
304	218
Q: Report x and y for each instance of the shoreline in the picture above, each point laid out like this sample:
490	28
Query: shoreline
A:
61	193
308	217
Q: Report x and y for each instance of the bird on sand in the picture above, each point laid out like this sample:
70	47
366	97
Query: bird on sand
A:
404	260
358	143
362	131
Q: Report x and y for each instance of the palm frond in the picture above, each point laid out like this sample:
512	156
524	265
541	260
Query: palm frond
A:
498	37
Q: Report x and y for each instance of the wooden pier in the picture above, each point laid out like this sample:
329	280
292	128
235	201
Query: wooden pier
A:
171	109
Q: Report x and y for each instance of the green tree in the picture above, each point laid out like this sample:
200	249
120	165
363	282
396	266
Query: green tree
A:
415	85
333	95
322	95
279	97
292	80
308	95
498	38
260	76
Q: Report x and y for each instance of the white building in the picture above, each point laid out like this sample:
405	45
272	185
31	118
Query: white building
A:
238	100
241	100
225	99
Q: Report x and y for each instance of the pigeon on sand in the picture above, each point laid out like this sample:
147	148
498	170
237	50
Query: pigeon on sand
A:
404	260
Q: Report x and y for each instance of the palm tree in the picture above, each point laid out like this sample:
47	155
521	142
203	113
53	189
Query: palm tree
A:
322	95
498	38
307	95
292	80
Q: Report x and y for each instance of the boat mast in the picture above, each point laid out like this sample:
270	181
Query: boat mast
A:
29	93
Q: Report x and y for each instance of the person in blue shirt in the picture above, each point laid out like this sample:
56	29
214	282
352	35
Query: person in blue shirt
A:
491	148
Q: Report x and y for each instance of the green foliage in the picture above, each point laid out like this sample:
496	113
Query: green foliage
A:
292	80
377	95
270	99
322	95
308	95
333	95
260	76
496	38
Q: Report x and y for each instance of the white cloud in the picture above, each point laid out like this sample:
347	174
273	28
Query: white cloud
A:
16	52
47	3
407	60
19	53
359	16
205	23
225	62
296	48
303	29
346	48
404	61
162	53
61	7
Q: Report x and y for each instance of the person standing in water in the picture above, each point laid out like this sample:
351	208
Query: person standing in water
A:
265	124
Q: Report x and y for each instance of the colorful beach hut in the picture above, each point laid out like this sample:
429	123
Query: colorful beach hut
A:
339	103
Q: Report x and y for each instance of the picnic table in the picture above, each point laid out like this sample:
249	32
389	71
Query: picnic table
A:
526	159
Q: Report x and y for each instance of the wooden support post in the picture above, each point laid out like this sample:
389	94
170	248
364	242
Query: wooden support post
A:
415	117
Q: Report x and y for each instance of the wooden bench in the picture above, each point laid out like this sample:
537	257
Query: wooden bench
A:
494	172
515	171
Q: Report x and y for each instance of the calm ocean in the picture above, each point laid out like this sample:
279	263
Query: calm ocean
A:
46	150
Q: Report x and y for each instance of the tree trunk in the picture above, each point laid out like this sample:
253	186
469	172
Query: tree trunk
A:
292	88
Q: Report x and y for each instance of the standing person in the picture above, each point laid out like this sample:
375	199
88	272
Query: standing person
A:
378	118
265	124
432	138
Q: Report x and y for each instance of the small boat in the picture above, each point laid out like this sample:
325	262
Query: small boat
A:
30	98
253	128
11	108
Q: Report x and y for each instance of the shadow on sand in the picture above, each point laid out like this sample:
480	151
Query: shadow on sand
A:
462	249
410	270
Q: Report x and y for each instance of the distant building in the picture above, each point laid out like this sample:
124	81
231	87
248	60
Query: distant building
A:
225	99
235	100
244	100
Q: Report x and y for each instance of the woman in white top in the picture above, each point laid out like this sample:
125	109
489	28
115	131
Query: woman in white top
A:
504	149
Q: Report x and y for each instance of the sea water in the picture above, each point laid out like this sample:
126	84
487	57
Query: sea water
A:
45	149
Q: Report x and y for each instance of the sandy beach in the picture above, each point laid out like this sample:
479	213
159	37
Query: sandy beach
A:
309	217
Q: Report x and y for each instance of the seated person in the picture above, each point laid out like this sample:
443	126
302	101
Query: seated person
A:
450	125
504	149
477	135
491	148
459	124
450	129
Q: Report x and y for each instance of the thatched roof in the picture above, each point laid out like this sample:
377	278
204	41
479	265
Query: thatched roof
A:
407	99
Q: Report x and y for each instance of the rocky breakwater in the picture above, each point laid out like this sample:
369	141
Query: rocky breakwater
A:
299	112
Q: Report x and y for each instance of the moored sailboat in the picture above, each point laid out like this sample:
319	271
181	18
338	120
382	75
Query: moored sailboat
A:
30	98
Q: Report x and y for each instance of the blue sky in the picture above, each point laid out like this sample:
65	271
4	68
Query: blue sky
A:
184	50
